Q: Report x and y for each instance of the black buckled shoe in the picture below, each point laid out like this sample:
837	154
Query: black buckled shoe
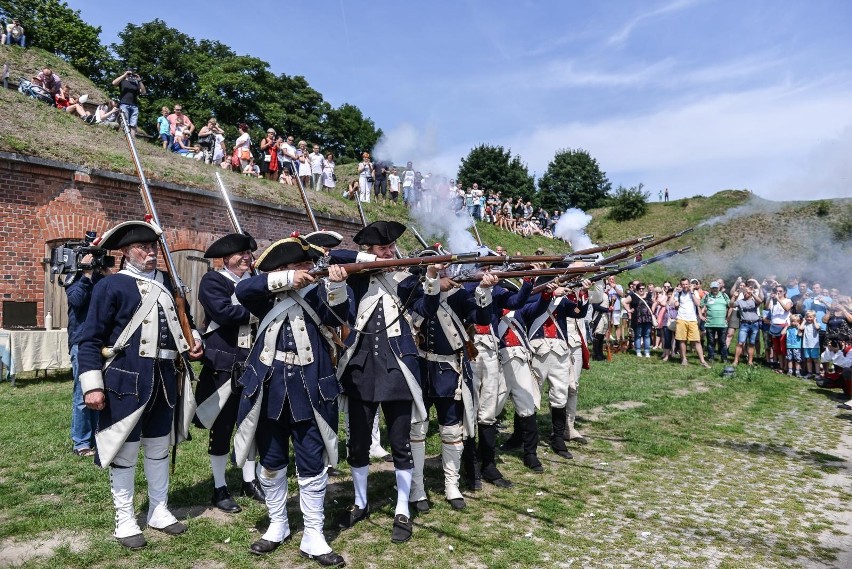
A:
352	516
133	541
254	491
330	559
531	461
501	483
176	528
402	529
420	506
222	500
264	546
457	503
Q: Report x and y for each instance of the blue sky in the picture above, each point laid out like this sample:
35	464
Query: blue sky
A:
693	95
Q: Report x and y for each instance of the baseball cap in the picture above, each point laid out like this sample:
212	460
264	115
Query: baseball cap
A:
715	284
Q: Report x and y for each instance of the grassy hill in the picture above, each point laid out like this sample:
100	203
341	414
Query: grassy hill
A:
736	232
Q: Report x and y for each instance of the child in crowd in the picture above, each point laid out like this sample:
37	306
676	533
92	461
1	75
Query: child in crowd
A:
794	346
164	127
810	344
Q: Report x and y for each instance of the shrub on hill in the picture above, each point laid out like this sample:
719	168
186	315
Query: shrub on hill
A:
629	203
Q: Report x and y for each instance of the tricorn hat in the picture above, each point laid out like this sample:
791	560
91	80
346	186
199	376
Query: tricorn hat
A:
326	239
230	244
127	233
379	233
285	252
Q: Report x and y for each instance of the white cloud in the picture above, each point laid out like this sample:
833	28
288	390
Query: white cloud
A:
623	34
738	140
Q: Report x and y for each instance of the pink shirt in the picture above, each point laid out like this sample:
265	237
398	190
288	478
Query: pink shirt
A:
172	118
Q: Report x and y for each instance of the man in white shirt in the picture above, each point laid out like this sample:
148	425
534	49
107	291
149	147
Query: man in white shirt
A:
687	302
408	184
317	164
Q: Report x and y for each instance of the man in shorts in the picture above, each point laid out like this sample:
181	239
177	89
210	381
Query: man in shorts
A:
687	301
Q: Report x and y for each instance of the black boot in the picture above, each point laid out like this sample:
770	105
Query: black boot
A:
597	348
470	464
487	454
557	437
515	440
529	434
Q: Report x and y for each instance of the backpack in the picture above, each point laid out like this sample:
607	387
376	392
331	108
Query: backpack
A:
35	92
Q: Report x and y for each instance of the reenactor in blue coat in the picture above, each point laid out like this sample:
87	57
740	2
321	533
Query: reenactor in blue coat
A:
289	388
228	338
380	367
447	383
552	359
489	385
132	360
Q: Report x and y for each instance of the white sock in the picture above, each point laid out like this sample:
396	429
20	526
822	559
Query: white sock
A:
359	480
217	465
403	490
249	471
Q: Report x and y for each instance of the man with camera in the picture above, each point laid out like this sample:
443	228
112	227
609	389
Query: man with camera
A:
131	86
83	420
746	302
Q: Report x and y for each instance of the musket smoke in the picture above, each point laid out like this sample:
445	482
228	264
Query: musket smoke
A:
572	228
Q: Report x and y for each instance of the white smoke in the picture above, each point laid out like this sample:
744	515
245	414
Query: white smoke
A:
754	205
439	221
572	228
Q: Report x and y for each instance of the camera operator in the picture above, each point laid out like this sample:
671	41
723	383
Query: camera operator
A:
84	421
130	86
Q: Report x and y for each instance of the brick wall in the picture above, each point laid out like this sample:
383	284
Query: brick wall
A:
43	202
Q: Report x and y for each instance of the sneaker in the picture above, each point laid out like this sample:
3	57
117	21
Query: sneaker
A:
647	354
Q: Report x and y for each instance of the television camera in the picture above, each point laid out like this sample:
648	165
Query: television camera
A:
66	260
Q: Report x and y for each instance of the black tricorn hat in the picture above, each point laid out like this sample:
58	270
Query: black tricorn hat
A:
230	244
325	238
379	233
127	233
287	251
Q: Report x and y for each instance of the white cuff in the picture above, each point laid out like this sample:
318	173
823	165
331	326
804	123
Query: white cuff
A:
279	280
91	380
482	296
432	286
196	335
336	292
363	257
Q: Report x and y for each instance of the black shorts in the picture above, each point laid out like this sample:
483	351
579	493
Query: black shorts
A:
380	187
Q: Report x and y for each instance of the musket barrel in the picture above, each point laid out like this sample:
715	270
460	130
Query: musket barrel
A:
353	268
231	213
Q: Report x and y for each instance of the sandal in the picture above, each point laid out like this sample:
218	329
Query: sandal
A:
84	452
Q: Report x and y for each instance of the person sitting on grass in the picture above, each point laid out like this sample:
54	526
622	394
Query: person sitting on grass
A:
252	170
107	114
72	105
182	146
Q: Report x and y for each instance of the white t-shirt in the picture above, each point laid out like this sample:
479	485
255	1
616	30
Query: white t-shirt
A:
393	180
218	151
686	307
408	179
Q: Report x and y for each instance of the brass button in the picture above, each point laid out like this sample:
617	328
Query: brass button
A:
144	341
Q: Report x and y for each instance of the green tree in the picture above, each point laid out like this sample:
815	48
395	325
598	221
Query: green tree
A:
629	203
54	27
573	179
496	170
209	79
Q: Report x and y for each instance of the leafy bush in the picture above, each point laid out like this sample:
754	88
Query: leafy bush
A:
629	203
823	207
842	227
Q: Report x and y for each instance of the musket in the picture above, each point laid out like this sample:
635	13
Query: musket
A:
475	229
611	246
419	237
534	273
308	209
636	249
353	268
177	285
231	213
512	259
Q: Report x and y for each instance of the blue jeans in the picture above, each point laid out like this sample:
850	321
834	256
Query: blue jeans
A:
748	332
22	41
131	113
642	334
84	421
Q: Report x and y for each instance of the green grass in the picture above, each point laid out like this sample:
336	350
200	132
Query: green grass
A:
701	464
